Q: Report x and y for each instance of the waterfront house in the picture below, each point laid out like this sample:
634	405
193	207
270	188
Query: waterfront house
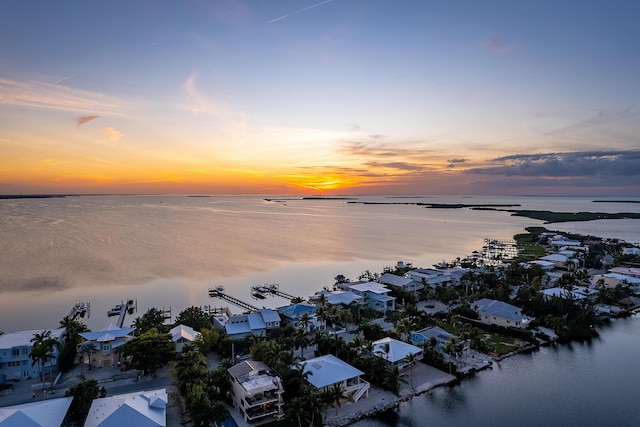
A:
345	298
15	350
45	413
256	391
395	352
560	261
545	265
493	312
430	277
627	271
326	371
294	313
106	344
182	334
559	242
611	280
239	326
403	283
376	295
424	336
141	408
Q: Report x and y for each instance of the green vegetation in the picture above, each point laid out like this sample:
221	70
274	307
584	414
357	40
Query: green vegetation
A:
149	351
195	318
550	217
83	395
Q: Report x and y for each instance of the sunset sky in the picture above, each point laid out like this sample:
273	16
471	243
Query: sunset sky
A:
320	97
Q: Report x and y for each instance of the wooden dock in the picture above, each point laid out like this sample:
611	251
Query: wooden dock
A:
219	293
271	289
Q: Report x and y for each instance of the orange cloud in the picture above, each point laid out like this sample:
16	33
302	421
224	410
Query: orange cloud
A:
113	134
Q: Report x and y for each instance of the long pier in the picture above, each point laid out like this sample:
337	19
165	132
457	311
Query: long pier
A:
121	311
273	289
219	293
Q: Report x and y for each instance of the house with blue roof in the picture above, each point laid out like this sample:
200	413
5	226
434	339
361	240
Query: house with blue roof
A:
493	312
326	371
292	314
257	323
106	343
423	336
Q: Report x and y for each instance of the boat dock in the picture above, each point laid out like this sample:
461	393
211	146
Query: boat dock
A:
270	289
80	309
120	310
218	292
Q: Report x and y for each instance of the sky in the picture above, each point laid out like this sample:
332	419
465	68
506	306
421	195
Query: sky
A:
513	97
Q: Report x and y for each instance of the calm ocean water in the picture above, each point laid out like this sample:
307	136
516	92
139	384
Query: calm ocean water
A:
166	251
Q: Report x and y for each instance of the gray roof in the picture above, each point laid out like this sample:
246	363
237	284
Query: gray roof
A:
269	315
138	409
398	350
499	309
106	334
395	280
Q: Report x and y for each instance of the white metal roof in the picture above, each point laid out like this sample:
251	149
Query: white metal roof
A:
327	370
397	351
46	413
143	408
377	288
184	332
23	338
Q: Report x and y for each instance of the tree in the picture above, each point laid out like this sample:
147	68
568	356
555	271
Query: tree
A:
411	359
391	379
296	409
42	350
405	327
149	351
69	352
83	395
152	319
195	318
86	349
336	392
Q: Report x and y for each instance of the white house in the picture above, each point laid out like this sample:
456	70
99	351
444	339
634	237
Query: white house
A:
46	413
15	348
560	261
395	352
325	371
403	283
493	312
182	334
375	295
430	276
256	391
345	298
141	408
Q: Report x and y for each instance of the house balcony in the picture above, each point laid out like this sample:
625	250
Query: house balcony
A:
262	399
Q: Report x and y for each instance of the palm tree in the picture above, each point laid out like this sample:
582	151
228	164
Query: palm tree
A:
405	327
449	349
314	403
411	359
392	379
336	392
87	348
296	410
42	350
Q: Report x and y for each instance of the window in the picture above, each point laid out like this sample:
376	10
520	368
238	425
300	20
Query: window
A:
15	352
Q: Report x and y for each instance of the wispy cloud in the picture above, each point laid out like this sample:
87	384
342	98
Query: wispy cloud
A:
113	134
85	119
575	164
196	102
51	96
299	11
